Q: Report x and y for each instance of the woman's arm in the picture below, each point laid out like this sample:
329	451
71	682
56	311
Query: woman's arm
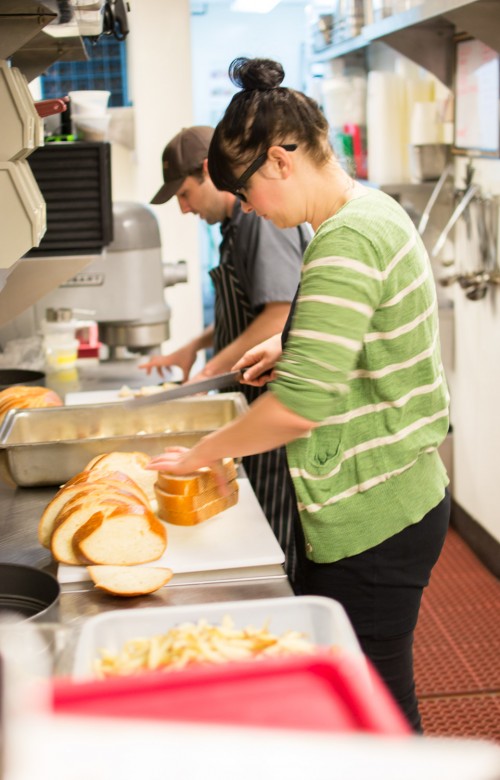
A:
267	425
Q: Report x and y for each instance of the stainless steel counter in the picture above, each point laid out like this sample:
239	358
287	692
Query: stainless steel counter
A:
21	509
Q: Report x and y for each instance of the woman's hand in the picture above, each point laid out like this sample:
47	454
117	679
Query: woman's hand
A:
181	461
258	363
183	358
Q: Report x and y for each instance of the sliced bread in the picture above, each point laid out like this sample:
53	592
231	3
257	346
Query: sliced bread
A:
125	536
193	516
76	513
129	580
200	481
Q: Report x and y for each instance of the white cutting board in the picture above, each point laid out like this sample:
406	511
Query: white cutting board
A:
238	537
93	397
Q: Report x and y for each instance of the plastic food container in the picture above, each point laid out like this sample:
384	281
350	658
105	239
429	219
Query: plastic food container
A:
314	693
322	620
92	128
89	101
60	355
327	690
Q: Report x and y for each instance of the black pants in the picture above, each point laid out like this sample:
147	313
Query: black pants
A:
381	591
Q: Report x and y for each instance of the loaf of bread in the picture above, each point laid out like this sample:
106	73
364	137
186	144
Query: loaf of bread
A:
125	536
131	463
26	397
200	481
129	580
82	485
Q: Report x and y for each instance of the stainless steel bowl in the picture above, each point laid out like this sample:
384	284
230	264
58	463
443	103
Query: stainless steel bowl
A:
20	376
27	593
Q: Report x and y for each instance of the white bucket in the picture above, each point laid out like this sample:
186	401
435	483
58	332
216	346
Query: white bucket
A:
89	101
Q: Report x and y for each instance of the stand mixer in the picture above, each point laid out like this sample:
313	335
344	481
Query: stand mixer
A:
123	289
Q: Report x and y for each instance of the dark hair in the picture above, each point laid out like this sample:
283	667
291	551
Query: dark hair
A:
261	115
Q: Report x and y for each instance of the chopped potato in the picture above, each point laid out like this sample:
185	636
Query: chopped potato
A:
191	643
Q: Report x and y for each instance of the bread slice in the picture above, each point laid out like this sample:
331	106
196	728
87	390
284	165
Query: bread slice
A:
129	580
125	537
200	481
110	484
172	503
131	463
200	514
76	513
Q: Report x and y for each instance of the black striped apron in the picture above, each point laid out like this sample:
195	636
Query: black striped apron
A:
268	471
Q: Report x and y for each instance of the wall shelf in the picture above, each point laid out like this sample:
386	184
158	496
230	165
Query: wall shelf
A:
23	40
425	33
20	21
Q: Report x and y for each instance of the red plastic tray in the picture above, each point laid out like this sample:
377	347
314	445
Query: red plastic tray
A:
307	692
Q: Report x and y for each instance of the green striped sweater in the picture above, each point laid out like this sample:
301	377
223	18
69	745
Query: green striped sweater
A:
363	360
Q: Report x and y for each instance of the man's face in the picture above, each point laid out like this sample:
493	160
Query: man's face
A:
201	198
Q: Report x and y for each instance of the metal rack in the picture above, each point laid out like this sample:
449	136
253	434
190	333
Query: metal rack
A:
425	33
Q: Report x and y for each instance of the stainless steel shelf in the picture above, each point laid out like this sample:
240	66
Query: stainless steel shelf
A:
23	40
20	21
425	33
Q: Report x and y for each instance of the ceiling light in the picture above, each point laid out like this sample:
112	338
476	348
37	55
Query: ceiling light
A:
253	6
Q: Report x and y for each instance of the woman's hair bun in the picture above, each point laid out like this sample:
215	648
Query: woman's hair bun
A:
256	74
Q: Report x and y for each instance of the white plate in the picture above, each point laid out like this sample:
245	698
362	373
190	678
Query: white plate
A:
322	620
238	537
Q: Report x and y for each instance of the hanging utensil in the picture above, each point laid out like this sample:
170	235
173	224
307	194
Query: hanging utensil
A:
424	219
469	194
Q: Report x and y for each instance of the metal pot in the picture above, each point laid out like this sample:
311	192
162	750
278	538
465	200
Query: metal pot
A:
28	593
20	376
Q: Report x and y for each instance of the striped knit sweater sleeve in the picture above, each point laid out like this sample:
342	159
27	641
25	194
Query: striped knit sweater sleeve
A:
363	361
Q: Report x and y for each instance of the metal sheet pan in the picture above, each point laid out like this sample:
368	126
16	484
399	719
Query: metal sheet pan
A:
49	446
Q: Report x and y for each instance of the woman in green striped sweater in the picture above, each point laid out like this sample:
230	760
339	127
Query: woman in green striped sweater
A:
358	393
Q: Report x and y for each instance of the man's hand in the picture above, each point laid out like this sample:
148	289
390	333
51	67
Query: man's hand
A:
183	358
258	363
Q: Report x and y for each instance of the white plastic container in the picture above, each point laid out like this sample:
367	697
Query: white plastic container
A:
323	621
60	355
89	101
59	341
92	128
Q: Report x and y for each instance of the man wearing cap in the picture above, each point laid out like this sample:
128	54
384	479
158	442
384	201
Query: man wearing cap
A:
254	284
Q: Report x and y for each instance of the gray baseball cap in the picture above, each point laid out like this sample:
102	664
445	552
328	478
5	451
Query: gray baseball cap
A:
181	156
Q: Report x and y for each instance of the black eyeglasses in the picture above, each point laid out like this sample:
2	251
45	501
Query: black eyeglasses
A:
257	163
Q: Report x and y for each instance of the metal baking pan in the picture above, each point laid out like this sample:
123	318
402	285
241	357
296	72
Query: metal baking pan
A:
49	446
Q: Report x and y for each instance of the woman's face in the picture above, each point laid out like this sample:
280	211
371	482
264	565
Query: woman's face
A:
268	190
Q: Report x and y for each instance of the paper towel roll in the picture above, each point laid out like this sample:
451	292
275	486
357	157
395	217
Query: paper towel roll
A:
385	127
425	125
